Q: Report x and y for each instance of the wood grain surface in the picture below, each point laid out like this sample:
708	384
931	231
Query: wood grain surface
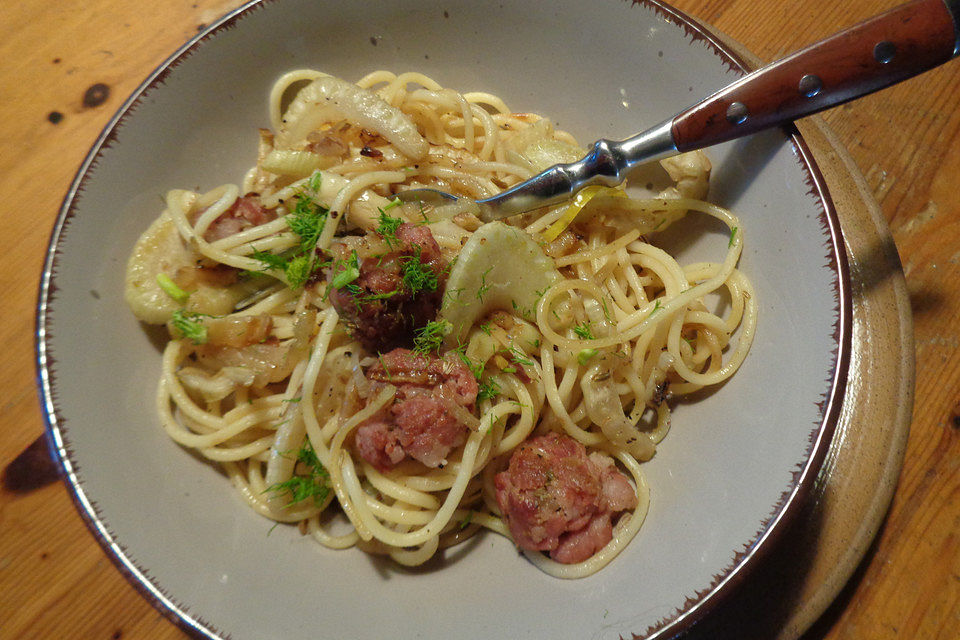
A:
67	66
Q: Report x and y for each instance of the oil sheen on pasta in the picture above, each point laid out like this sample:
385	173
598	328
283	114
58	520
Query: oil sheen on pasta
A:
398	377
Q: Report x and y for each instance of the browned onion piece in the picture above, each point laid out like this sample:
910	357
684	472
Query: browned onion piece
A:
605	411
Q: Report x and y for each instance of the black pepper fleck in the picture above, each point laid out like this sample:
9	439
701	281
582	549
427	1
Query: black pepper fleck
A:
55	117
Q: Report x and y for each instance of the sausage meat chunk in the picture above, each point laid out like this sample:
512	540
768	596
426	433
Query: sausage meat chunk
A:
418	423
396	292
556	498
244	213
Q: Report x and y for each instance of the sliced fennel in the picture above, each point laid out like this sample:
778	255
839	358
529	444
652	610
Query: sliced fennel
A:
499	267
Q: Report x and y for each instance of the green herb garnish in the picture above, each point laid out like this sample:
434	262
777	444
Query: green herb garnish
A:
430	337
523	313
350	271
656	307
370	297
518	356
299	270
584	356
307	220
476	368
423	214
453	295
606	311
417	276
171	289
384	365
312	483
189	326
388	226
271	260
488	390
298	267
484	287
314	182
583	330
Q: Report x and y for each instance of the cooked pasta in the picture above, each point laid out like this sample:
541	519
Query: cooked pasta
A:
396	377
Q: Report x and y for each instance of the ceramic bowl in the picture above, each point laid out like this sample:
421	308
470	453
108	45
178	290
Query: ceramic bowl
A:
736	465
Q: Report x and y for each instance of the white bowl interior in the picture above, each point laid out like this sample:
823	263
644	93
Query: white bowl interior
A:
598	69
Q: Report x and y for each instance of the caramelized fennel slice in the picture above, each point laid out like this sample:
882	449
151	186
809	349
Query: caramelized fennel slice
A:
339	99
499	267
161	250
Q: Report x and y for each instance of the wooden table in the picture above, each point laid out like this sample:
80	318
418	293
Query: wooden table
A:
67	67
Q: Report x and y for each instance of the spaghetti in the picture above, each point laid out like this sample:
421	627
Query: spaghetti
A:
347	359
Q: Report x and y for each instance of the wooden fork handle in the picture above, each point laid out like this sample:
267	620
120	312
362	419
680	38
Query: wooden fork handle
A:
874	54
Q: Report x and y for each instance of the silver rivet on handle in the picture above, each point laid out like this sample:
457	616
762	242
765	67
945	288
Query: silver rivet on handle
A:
809	85
737	113
884	51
